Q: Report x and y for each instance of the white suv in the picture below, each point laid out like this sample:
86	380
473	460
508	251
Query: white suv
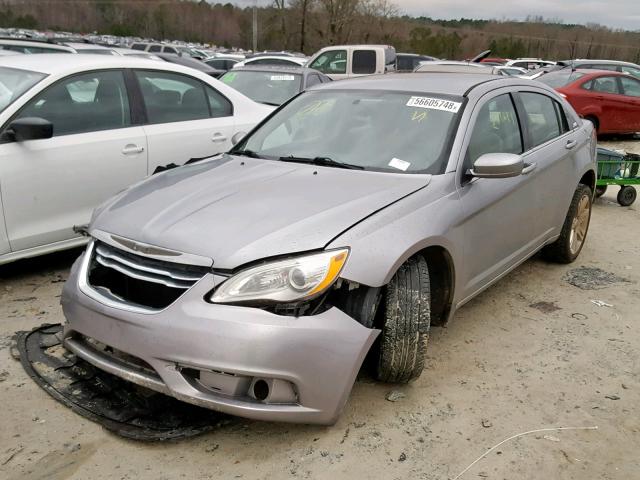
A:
74	133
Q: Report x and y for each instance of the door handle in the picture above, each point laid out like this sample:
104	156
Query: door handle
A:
218	138
570	144
132	149
529	167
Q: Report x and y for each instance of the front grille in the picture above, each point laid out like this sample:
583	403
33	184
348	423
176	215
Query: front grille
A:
140	281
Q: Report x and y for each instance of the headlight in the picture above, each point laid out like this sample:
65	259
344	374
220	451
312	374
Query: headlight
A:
284	281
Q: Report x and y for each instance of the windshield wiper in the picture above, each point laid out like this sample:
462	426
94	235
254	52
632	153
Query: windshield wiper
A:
246	153
271	104
321	161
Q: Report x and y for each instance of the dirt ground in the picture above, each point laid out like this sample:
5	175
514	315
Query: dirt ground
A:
532	352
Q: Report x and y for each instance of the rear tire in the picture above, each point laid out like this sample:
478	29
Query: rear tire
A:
601	190
407	318
574	230
627	195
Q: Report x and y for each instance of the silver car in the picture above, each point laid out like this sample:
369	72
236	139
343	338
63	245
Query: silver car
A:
357	215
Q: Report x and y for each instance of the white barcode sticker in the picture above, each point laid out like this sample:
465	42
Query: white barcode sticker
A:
282	77
434	104
399	164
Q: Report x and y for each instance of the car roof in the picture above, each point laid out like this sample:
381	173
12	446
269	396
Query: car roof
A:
34	43
275	68
51	64
85	46
439	83
602	62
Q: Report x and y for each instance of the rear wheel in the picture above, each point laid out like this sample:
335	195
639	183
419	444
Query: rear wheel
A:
407	318
627	195
574	230
600	190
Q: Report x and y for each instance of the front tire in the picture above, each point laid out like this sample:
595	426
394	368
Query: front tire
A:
407	318
574	230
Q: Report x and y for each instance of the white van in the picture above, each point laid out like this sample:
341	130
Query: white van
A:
344	61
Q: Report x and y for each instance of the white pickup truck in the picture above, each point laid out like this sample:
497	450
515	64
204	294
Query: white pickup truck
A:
345	61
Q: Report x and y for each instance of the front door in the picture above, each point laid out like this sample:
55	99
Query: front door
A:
50	185
499	213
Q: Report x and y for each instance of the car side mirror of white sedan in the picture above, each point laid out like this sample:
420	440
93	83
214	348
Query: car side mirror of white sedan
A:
237	137
497	165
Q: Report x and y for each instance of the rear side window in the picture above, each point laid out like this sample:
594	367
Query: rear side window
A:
138	46
496	130
83	103
364	62
632	70
630	87
154	48
332	61
171	97
169	50
605	85
542	117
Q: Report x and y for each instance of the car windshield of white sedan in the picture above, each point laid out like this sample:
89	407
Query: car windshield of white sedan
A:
372	130
14	82
271	88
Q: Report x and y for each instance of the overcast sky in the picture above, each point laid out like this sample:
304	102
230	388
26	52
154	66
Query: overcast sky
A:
611	13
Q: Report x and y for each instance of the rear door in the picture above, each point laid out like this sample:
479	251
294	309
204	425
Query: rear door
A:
606	90
551	148
631	104
50	185
498	227
186	118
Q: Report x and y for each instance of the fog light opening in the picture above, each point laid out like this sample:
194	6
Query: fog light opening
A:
261	390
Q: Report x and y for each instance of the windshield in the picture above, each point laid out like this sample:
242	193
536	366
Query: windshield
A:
272	88
560	78
14	82
375	130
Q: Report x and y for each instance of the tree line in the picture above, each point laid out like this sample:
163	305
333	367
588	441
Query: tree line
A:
307	25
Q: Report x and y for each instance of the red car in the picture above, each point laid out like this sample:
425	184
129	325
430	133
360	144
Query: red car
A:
611	100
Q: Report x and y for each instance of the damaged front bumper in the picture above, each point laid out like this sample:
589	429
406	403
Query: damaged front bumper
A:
238	360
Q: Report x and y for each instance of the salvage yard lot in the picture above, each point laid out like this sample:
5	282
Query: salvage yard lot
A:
532	352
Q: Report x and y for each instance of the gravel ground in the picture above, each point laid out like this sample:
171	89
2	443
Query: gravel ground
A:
532	352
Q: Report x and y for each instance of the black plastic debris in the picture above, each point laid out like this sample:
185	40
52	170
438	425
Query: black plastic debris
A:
119	406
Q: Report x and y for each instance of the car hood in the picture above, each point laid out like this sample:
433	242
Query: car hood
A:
235	210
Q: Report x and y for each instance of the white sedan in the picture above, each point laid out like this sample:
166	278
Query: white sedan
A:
75	132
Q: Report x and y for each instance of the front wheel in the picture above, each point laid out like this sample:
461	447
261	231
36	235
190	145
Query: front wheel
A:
627	195
574	230
407	318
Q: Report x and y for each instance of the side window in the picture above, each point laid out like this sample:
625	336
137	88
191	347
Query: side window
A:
219	105
496	130
171	97
630	87
613	68
364	61
169	50
138	46
542	117
154	48
605	85
313	80
562	117
83	103
631	70
587	85
333	61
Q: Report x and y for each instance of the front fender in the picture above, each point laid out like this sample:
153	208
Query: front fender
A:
384	241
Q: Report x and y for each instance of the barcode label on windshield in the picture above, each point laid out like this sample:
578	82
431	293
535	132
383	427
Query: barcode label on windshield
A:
281	78
434	104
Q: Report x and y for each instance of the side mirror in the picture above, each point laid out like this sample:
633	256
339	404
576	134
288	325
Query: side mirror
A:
237	137
498	165
29	128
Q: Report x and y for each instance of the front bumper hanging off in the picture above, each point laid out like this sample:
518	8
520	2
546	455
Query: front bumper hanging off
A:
238	360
